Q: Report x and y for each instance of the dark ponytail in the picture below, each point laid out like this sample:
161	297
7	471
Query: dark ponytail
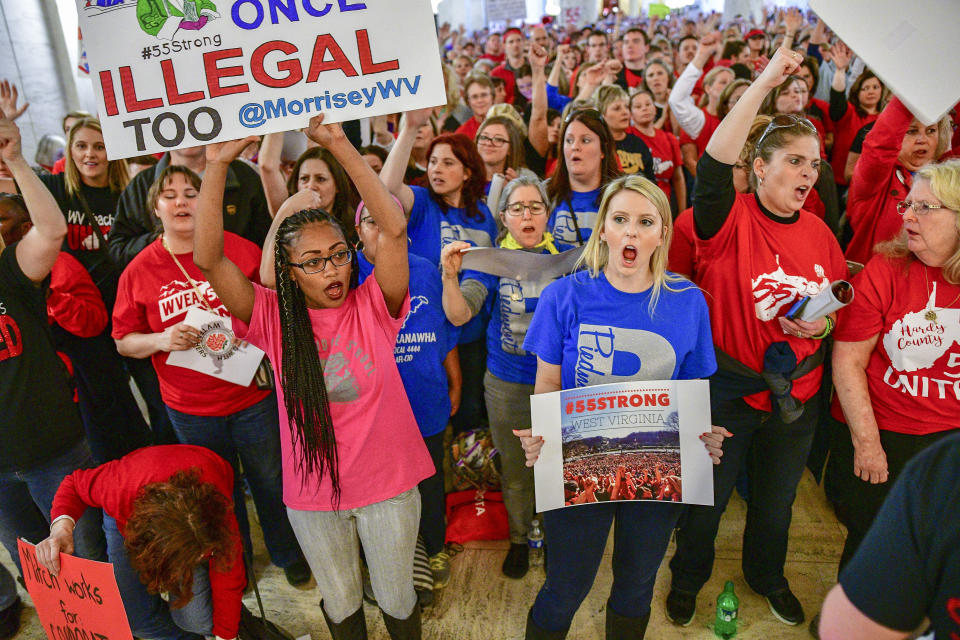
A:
301	377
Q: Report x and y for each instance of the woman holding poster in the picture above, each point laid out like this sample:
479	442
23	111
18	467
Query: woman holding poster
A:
239	422
766	390
346	419
581	327
511	370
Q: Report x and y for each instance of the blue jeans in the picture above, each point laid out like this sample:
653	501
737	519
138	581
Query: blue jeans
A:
148	614
775	455
8	589
26	498
576	537
250	437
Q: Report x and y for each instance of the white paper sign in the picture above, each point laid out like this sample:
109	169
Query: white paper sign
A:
520	265
623	441
238	367
180	73
506	10
905	45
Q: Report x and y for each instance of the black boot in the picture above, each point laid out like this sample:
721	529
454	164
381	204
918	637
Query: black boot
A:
623	628
408	629
353	627
536	633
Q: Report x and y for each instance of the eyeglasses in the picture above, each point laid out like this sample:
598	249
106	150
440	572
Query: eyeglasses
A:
496	143
588	111
517	208
316	265
919	208
783	121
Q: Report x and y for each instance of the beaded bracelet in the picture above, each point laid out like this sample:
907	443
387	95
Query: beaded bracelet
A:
827	331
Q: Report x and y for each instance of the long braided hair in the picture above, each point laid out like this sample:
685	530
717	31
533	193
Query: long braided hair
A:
301	377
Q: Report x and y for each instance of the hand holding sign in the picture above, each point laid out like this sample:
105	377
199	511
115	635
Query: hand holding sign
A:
59	541
325	135
227	152
451	258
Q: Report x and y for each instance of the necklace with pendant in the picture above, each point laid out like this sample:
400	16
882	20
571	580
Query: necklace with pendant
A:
931	314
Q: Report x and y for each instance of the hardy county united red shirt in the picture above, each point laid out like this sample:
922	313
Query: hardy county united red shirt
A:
380	451
754	269
914	371
153	295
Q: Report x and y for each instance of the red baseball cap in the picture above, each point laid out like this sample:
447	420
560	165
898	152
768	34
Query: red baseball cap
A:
755	33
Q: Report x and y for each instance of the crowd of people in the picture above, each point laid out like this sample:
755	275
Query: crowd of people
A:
635	475
684	157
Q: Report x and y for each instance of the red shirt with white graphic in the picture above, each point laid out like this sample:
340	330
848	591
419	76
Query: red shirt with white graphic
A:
153	295
914	371
665	149
754	270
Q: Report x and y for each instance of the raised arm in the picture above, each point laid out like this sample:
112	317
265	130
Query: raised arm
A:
38	249
274	186
838	97
393	269
537	130
306	199
396	165
688	115
232	286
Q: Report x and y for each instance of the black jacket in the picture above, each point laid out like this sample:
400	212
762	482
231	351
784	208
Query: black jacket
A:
244	210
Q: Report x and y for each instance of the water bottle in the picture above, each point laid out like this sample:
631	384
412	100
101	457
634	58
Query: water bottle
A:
535	543
728	606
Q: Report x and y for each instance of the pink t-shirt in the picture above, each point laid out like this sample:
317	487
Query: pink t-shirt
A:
379	447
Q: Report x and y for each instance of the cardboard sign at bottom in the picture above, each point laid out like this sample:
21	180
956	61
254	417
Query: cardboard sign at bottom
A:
81	602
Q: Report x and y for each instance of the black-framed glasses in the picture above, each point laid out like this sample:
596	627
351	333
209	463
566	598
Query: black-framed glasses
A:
496	143
583	111
536	208
316	265
919	208
783	121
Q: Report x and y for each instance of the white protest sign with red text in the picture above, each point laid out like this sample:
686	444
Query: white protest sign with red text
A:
180	73
81	603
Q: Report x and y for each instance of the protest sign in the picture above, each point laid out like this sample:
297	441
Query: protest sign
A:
82	602
217	353
520	265
623	441
506	10
904	48
180	73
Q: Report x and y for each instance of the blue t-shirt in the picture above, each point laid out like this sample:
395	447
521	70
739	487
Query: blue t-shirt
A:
511	305
599	334
424	341
563	225
430	229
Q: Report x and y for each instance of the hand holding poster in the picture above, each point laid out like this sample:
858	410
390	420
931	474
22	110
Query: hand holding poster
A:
82	601
624	441
180	73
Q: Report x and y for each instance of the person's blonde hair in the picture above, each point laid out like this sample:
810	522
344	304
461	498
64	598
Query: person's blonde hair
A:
117	173
944	179
710	78
606	94
596	254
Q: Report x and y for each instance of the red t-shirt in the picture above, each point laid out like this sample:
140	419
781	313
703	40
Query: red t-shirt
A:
113	487
682	257
914	371
470	128
665	149
709	126
633	79
754	270
153	295
845	130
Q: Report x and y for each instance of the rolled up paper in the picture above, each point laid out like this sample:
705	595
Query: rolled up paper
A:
838	295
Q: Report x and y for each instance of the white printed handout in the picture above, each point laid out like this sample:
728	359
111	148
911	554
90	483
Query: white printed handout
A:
180	73
624	441
237	365
520	265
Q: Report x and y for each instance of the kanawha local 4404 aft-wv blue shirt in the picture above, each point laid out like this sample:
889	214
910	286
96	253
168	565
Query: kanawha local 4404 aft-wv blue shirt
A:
430	229
599	334
424	341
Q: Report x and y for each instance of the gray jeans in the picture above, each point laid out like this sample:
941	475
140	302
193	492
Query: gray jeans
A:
388	532
508	408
